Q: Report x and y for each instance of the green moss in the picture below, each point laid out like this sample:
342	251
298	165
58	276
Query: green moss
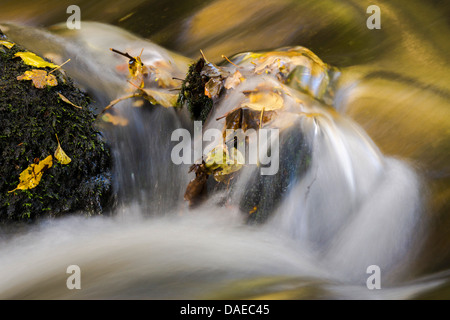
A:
193	92
29	120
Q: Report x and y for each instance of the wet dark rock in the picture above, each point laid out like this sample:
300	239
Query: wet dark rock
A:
30	119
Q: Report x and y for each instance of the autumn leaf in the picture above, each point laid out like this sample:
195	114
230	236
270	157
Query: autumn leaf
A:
196	186
136	68
162	73
40	78
7	44
63	98
234	80
211	70
115	120
221	162
32	59
263	100
159	97
213	87
244	118
31	176
60	155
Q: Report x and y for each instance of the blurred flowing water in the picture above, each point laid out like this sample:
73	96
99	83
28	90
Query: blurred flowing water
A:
376	190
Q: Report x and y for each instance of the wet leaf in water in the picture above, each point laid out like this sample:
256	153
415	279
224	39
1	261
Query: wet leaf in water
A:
160	97
115	120
233	81
263	100
136	68
221	162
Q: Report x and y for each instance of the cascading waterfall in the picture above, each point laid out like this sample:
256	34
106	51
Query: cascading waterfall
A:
352	208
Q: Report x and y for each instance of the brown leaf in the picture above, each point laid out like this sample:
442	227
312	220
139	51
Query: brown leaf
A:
213	87
196	187
234	80
40	78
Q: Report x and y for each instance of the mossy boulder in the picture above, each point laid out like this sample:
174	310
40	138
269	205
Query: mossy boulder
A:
30	119
193	92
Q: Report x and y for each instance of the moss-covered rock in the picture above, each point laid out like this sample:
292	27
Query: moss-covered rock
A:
193	92
30	119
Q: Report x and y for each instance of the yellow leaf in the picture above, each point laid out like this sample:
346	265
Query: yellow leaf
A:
115	120
220	162
136	68
40	78
158	97
7	44
31	176
60	155
267	101
33	60
68	101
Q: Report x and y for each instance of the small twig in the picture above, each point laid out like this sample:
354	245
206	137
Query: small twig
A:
59	66
226	58
226	114
123	54
116	101
261	118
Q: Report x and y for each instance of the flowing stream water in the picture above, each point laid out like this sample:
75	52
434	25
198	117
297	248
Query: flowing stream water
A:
376	190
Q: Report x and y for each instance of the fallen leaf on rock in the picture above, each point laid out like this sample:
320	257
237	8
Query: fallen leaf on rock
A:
68	101
7	44
244	118
32	59
31	176
60	155
40	78
196	186
213	87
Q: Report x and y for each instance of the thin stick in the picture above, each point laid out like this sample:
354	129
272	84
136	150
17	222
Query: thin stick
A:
123	54
59	66
140	89
203	55
226	58
261	118
114	102
226	114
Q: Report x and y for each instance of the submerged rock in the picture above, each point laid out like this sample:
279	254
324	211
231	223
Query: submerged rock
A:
30	120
